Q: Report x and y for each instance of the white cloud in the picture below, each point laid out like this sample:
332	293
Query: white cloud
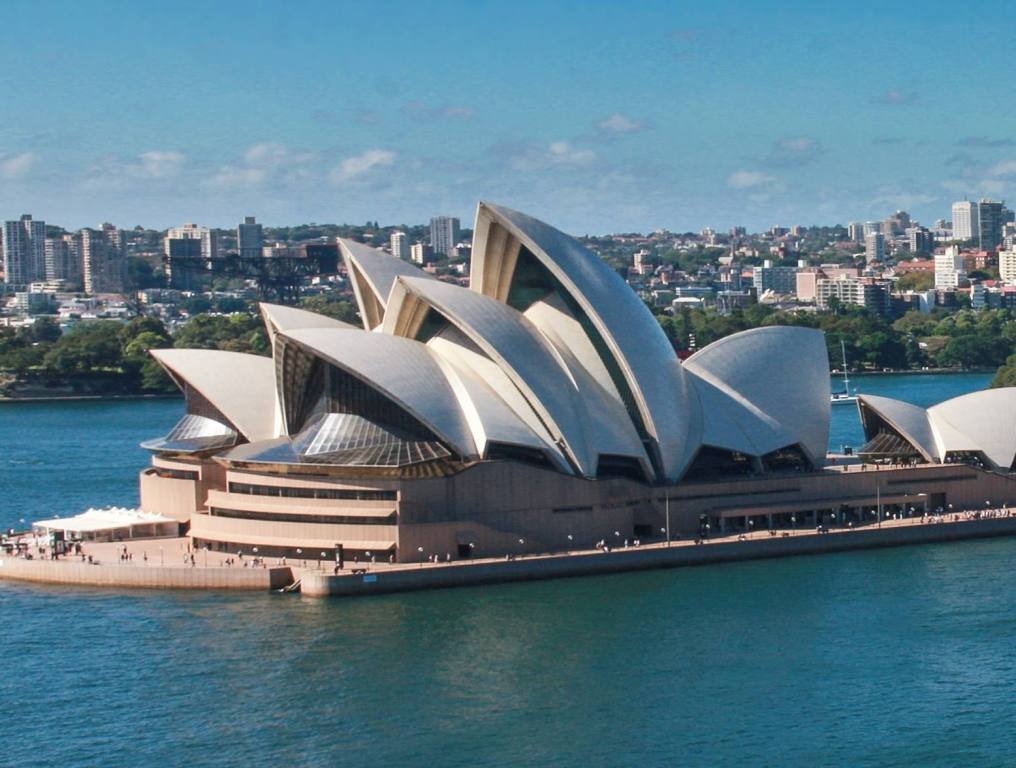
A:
558	154
159	164
618	123
1003	169
231	176
261	163
14	166
267	154
749	179
356	166
562	152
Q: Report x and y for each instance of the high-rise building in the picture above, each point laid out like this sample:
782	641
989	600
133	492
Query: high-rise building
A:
207	236
421	253
872	226
776	279
250	238
24	251
855	231
103	259
63	260
400	245
180	253
874	247
896	224
991	216
1007	266
950	268
873	295
920	240
444	234
965	220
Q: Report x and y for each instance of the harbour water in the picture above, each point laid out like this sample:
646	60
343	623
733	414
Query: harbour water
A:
871	658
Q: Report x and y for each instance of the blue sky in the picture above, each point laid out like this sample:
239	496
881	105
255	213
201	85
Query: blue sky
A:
598	117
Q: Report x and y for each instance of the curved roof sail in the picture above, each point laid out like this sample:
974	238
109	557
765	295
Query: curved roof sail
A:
534	366
278	317
372	273
768	406
239	386
982	421
519	260
401	370
908	420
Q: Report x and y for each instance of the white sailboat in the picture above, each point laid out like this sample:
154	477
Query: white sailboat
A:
845	397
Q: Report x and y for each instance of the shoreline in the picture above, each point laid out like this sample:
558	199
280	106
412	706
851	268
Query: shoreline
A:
914	372
370	579
60	398
88	398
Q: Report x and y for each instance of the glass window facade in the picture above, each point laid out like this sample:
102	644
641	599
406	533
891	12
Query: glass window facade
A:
289	492
298	517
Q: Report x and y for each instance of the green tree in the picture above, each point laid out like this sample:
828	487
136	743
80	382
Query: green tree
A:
1006	376
340	309
974	351
236	333
44	330
89	347
916	281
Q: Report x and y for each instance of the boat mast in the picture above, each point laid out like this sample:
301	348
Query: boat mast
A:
846	377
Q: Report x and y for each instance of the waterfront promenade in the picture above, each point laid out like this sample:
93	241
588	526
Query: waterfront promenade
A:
172	564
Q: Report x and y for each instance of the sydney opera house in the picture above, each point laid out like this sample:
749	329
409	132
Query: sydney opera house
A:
539	409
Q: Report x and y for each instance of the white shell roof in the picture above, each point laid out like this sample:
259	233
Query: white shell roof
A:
403	370
645	357
378	270
982	421
911	421
771	390
491	419
534	366
282	318
240	386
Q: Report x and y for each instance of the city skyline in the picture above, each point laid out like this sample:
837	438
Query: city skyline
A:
610	120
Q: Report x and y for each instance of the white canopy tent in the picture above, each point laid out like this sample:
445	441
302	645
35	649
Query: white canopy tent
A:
110	524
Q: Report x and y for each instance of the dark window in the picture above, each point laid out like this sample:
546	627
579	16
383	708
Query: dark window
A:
610	465
344	494
530	281
518	453
433	323
296	517
176	474
790	457
711	462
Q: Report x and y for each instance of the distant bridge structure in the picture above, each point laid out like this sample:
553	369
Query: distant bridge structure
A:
278	277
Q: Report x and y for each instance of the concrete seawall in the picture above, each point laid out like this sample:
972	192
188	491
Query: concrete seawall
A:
146	577
562	566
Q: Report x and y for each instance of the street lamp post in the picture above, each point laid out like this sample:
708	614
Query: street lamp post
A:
666	508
